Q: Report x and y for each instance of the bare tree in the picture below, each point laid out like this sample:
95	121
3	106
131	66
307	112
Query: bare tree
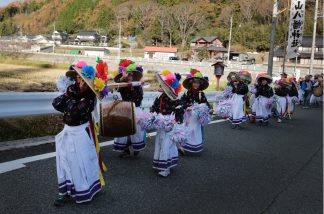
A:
248	9
225	16
188	19
162	13
145	14
169	24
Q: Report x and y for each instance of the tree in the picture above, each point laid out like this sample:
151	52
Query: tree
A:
248	9
105	21
189	19
7	27
141	15
169	25
75	15
203	54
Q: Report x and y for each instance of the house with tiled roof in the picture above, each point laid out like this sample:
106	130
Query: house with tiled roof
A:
304	51
212	44
163	53
205	41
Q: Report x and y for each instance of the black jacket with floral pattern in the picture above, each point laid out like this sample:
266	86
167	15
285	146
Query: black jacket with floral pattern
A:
241	88
282	91
164	105
76	110
264	90
132	94
191	97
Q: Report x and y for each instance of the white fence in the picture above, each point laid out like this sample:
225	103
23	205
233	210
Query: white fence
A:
14	104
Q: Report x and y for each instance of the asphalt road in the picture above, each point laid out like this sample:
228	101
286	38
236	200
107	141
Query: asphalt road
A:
275	169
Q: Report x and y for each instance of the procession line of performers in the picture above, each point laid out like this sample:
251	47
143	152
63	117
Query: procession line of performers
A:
78	158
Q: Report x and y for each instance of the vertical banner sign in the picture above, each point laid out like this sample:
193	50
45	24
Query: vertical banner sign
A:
296	27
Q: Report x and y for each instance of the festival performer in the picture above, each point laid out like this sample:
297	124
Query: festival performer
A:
129	71
306	85
223	104
281	92
166	152
195	84
317	95
262	105
78	169
292	97
240	89
249	97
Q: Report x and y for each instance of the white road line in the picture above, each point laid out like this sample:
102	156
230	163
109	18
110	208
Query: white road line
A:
20	163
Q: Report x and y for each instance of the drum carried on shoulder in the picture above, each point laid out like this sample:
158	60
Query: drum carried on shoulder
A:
117	119
318	91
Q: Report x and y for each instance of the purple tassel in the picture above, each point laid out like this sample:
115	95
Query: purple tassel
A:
224	108
179	134
228	91
201	111
104	92
145	120
120	69
139	69
178	76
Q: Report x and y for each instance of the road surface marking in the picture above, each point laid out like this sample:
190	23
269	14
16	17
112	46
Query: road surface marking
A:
20	163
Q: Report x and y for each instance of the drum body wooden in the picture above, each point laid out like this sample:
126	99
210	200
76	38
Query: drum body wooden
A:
318	91
117	119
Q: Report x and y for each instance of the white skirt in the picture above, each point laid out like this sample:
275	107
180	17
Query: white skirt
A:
77	163
301	94
195	141
281	106
314	99
137	140
165	151
291	103
237	109
260	109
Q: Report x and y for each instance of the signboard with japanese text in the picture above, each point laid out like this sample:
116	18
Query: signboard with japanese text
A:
296	27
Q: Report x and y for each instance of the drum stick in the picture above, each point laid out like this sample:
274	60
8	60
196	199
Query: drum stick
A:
112	86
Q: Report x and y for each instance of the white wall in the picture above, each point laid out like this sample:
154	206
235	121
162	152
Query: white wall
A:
94	53
163	56
159	55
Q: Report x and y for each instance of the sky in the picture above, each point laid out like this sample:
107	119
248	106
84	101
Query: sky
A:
5	2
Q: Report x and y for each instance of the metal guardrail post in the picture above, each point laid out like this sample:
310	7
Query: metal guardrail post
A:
16	104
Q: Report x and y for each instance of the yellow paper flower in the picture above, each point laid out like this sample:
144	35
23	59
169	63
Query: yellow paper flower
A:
165	72
99	84
115	73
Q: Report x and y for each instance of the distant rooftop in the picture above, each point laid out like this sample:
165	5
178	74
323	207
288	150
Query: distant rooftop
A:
87	33
206	38
307	41
160	49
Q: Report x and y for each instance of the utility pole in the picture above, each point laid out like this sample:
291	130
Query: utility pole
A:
119	40
272	38
286	43
229	41
54	27
54	40
314	38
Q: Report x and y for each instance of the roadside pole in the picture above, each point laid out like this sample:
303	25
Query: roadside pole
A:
272	38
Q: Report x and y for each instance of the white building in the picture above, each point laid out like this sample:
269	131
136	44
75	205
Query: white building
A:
96	51
162	53
58	36
87	37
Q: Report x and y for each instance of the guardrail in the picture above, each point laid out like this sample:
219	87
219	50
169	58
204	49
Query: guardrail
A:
205	66
15	104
